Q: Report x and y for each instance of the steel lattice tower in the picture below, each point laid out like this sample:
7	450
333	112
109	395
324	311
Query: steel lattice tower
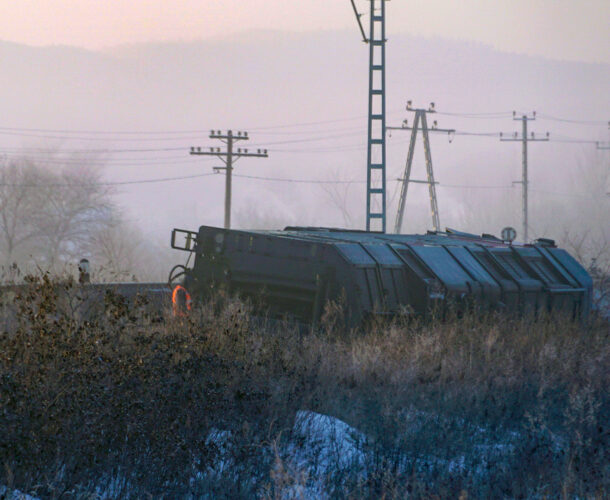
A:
420	122
376	144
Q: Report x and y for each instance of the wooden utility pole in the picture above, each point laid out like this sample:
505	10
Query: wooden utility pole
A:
229	157
524	139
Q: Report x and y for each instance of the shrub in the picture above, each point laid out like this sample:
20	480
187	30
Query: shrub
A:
123	405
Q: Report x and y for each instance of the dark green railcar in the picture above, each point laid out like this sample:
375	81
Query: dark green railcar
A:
296	271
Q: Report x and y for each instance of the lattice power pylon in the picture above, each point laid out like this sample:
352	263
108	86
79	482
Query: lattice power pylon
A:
376	142
420	122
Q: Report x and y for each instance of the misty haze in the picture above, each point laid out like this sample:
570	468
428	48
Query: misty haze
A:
303	97
250	374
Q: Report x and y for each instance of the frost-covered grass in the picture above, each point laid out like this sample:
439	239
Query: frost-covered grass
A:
219	405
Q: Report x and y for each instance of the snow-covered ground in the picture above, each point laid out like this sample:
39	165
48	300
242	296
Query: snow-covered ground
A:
7	494
322	447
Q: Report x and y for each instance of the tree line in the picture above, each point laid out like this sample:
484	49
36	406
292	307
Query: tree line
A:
51	217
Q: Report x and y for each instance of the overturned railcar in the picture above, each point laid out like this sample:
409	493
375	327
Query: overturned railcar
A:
295	271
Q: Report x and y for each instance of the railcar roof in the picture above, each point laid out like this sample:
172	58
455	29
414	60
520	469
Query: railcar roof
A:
333	235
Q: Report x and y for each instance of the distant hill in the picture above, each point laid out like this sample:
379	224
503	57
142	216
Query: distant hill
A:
262	79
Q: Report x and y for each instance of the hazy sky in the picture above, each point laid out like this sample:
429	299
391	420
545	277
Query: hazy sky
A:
559	29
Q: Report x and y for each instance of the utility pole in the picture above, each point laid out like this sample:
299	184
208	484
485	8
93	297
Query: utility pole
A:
420	117
524	139
376	145
229	157
603	145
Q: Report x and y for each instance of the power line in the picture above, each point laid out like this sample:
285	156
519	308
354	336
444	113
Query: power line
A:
279	179
569	120
198	132
478	134
452	186
116	183
313	139
491	115
98	150
112	161
69	134
102	132
471	186
97	139
571	140
297	181
56	133
314	123
165	139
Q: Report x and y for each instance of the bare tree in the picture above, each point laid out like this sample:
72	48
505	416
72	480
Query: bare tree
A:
20	201
586	227
119	252
48	216
252	217
338	192
77	206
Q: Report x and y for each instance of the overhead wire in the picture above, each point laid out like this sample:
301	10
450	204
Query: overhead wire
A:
276	179
102	132
109	183
157	160
314	123
545	116
96	150
98	139
491	115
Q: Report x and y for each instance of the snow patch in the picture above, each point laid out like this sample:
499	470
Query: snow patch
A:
7	494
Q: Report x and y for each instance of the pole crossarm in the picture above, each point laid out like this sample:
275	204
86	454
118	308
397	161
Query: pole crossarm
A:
262	154
445	130
228	157
529	139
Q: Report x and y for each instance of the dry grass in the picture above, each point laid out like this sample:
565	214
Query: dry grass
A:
127	398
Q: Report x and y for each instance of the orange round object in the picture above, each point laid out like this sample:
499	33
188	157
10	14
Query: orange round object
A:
181	301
